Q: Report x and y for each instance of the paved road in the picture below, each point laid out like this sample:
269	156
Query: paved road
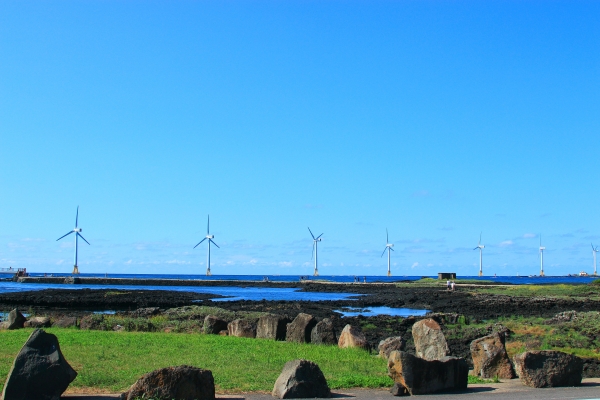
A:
514	389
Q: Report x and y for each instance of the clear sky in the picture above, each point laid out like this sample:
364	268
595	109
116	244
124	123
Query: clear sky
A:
435	119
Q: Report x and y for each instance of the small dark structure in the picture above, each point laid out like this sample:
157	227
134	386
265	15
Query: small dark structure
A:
446	275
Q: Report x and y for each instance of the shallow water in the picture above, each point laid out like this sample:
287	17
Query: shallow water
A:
373	311
233	292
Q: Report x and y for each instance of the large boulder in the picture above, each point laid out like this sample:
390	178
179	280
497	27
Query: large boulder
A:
548	368
490	358
39	372
323	333
38	322
300	328
213	325
272	326
352	336
429	339
386	346
301	379
174	383
414	375
67	322
89	322
242	328
15	320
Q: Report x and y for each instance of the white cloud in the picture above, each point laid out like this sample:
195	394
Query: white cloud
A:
506	243
529	235
415	265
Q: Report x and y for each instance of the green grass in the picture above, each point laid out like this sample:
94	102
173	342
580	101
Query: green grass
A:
442	282
112	361
590	291
476	379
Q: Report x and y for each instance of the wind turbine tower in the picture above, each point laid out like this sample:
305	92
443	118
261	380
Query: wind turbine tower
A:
594	250
388	248
77	232
315	254
541	257
210	238
480	247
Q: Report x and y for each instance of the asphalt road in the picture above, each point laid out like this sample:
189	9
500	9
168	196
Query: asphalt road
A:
513	389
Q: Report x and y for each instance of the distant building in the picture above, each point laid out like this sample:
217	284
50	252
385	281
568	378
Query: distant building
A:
446	275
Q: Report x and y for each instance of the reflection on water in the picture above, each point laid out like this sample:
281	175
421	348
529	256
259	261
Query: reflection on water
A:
373	311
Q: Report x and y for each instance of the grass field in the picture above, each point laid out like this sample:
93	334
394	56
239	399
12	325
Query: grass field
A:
111	361
582	292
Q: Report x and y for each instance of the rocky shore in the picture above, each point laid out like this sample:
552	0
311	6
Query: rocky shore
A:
447	307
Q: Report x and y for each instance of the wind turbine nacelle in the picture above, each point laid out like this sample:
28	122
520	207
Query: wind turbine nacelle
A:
542	248
319	239
390	245
77	230
481	246
210	236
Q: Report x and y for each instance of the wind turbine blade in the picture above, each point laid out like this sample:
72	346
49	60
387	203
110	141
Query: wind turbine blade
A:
480	238
311	234
387	237
78	234
392	249
383	251
208	225
476	248
64	236
76	216
199	243
319	236
210	240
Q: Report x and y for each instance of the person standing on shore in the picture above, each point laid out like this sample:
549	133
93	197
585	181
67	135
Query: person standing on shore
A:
448	285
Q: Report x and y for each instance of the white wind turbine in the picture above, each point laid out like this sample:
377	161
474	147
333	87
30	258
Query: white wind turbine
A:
594	250
210	240
480	247
541	257
315	254
388	248
77	232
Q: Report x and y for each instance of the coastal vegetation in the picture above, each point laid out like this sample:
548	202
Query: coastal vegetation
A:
111	361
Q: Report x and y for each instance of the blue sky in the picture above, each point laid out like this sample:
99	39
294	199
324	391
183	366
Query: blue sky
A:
437	120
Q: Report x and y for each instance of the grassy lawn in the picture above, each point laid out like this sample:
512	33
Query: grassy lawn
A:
112	361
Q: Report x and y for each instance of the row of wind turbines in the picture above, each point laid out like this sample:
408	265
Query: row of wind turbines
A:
542	248
389	247
209	240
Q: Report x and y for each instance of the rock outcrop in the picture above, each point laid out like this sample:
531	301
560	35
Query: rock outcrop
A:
174	383
386	346
548	368
300	328
323	333
37	322
15	320
66	322
490	358
430	343
352	336
272	326
241	328
213	325
414	375
39	372
301	379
